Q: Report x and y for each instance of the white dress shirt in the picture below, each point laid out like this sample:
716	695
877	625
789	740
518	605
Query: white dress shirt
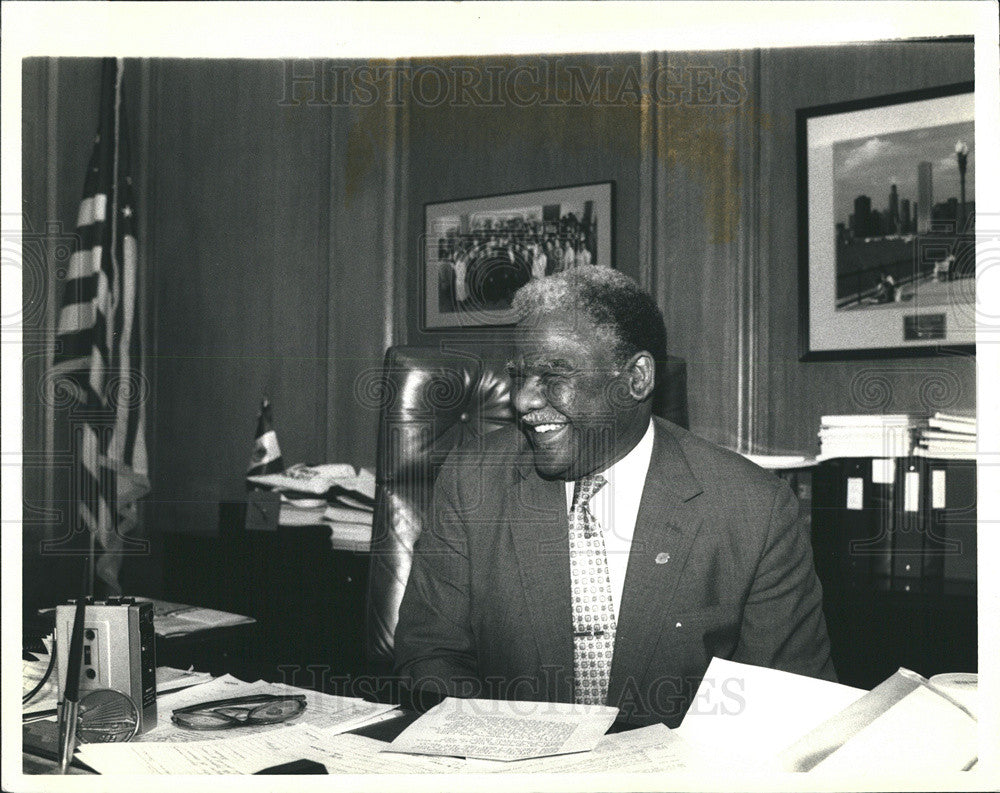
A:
616	507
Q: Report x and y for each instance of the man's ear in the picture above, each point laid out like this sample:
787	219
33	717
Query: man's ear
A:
641	373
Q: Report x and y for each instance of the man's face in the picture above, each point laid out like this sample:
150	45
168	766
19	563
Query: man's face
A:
570	397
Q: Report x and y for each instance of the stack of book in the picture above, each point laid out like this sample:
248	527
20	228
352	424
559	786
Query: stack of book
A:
867	435
326	495
948	436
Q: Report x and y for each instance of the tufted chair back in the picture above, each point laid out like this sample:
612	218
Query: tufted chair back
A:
431	401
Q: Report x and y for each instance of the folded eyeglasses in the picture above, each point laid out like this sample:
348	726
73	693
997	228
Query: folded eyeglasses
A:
224	714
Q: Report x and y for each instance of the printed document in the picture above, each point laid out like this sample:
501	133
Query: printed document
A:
247	754
652	749
492	729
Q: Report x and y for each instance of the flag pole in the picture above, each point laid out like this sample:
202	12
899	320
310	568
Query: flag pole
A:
91	563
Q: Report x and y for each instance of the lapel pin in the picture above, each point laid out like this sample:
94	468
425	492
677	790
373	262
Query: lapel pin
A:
662	557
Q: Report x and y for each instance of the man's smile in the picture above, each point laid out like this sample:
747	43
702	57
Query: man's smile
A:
547	432
542	428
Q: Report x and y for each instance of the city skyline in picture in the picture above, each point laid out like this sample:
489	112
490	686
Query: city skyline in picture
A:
871	166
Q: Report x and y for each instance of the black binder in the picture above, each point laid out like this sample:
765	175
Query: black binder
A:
853	521
950	548
911	523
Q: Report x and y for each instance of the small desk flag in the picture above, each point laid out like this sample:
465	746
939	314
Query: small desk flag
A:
266	457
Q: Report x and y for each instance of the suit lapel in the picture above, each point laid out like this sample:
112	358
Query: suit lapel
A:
665	528
539	528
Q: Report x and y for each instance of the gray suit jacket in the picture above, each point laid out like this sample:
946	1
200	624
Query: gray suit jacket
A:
487	612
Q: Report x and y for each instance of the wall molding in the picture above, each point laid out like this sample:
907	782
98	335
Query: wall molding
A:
52	294
749	262
699	164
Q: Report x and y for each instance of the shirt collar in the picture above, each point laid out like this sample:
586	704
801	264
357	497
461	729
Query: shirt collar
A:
634	465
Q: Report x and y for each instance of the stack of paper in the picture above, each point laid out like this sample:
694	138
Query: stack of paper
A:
780	462
948	436
751	713
743	719
905	726
889	435
776	721
33	667
347	503
350	529
179	619
318	480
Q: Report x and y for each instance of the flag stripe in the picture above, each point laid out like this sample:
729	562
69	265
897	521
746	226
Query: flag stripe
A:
93	208
78	316
83	263
81	289
91	235
133	416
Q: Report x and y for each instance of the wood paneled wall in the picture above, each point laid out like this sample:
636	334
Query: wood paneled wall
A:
240	262
274	233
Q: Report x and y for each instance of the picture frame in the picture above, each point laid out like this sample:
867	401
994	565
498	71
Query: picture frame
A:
478	251
886	198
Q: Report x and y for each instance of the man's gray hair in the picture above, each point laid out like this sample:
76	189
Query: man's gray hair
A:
615	304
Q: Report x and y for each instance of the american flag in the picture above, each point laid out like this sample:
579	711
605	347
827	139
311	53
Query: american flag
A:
98	352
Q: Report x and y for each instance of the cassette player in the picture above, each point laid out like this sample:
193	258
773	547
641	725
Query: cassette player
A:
119	651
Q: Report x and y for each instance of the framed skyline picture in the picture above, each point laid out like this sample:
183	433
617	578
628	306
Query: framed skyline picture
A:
479	251
887	199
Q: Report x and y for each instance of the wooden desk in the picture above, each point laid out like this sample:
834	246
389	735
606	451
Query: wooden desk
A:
308	599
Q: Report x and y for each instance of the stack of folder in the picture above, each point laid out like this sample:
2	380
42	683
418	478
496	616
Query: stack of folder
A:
867	435
948	436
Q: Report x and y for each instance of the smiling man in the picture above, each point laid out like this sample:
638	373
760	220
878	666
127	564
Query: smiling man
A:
596	553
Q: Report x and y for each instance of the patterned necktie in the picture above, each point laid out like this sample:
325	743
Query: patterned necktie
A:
593	608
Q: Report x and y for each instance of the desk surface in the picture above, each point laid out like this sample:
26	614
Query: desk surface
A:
47	763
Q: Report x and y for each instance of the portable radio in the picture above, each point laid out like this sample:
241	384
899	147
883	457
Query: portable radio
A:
119	651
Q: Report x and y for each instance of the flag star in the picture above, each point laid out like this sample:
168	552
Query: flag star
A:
127	212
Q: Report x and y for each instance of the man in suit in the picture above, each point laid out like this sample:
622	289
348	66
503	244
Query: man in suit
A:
595	553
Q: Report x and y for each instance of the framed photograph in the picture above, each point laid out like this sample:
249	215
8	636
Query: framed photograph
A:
479	251
887	212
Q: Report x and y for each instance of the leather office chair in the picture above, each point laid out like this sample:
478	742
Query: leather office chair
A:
431	402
